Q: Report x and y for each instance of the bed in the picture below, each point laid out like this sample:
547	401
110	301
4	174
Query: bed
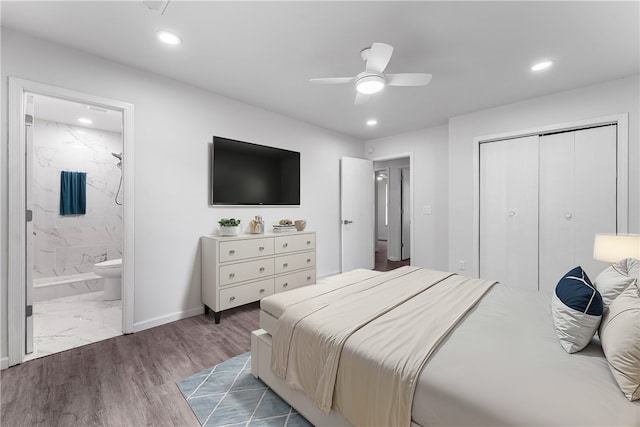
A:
500	364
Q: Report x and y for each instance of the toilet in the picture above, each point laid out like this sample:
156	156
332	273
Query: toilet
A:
112	272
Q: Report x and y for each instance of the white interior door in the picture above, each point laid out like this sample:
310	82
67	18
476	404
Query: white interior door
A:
557	185
578	197
405	196
509	211
596	196
28	132
357	211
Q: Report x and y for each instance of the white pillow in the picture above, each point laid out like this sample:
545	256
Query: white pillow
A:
620	338
576	308
616	278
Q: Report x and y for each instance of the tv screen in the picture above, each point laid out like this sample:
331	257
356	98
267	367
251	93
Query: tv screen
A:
249	174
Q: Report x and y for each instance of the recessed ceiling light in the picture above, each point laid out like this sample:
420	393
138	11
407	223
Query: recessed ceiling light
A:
541	65
85	121
372	122
169	38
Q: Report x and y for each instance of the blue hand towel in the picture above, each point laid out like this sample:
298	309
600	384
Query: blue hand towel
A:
73	193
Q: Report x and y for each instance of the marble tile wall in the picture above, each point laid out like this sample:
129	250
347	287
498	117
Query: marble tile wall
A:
68	245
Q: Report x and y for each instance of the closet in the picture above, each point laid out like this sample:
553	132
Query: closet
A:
542	199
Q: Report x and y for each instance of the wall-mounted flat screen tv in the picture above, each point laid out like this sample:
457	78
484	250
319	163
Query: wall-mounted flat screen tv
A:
243	173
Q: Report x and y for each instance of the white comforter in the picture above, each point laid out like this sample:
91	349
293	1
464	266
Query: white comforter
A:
361	348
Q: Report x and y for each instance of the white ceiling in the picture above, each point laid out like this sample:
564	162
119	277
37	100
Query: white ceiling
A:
264	52
63	111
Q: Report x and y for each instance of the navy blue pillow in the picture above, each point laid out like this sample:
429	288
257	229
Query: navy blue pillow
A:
576	291
577	309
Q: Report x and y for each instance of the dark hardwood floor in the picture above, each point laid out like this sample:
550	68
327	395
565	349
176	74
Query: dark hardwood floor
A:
382	263
130	380
124	381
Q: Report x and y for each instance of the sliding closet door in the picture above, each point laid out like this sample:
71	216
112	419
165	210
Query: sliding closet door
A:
509	211
577	200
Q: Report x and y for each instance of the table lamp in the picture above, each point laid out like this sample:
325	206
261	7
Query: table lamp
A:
612	248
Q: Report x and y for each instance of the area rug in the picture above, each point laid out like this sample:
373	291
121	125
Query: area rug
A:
229	395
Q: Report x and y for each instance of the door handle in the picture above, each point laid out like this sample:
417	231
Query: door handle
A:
346	221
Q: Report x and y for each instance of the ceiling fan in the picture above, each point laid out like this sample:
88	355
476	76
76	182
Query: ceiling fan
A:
372	79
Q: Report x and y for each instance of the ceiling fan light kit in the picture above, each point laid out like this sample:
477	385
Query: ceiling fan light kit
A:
373	79
369	84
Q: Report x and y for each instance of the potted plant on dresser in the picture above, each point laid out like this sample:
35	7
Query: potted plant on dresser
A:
229	226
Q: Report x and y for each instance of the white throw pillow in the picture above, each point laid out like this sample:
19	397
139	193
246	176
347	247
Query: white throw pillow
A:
620	338
576	308
616	278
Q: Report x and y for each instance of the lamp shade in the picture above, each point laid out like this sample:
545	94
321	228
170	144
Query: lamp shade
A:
615	247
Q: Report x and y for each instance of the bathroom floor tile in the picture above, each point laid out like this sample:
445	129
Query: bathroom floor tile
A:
64	323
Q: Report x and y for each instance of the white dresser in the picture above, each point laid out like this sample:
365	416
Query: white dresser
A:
242	269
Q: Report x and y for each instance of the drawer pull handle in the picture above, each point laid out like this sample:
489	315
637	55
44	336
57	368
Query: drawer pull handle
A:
284	285
261	291
231	252
261	269
232	298
284	245
308	259
308	277
232	275
285	265
261	248
308	242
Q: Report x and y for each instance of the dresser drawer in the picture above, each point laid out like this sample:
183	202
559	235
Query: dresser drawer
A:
295	280
242	271
285	263
243	294
294	243
243	249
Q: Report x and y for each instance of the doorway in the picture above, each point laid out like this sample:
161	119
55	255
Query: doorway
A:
393	213
28	244
70	304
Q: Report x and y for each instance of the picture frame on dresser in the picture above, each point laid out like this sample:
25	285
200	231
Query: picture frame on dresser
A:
242	269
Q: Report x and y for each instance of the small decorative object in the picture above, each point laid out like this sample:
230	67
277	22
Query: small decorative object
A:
300	224
229	226
257	225
284	225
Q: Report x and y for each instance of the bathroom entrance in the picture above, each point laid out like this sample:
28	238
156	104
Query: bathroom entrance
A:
74	182
75	187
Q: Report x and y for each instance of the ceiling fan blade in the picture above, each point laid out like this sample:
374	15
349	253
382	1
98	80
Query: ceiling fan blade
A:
332	80
379	57
408	79
361	98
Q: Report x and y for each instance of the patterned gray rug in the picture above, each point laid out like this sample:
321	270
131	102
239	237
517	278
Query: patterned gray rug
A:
228	395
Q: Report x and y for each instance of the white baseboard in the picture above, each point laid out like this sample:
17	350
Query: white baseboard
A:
4	363
152	323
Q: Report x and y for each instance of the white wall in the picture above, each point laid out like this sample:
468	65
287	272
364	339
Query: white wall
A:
430	188
618	96
174	125
382	228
